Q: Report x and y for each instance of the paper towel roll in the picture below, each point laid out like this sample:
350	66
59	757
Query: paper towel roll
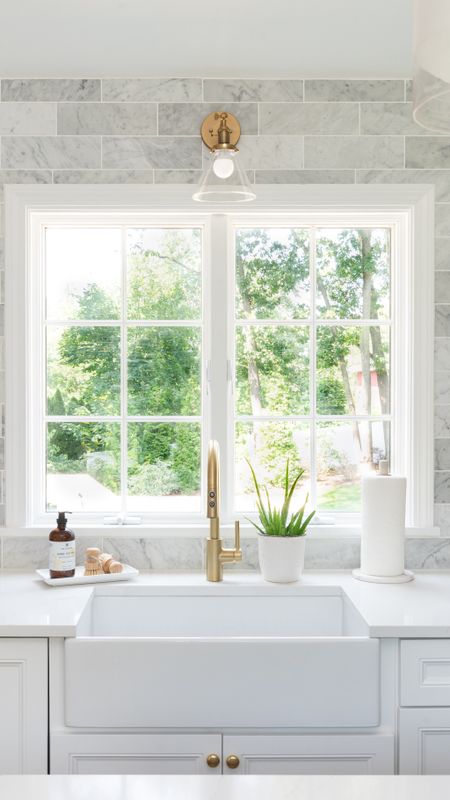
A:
383	526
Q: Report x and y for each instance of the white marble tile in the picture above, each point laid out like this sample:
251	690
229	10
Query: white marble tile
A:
442	387
157	554
50	152
305	176
177	175
354	90
103	176
161	152
442	518
442	253
442	487
36	119
439	177
23	176
442	219
392	118
427	152
171	90
312	118
442	454
442	320
185	119
31	552
408	90
271	152
332	553
442	421
358	152
241	90
442	354
427	553
107	118
442	286
50	89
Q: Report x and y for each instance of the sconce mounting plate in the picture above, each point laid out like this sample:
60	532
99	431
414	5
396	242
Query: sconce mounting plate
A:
210	128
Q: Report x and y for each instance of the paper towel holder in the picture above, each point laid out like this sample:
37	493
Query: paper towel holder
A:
404	577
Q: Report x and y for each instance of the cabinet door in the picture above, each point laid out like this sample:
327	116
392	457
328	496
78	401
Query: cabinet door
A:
23	706
133	754
424	741
310	755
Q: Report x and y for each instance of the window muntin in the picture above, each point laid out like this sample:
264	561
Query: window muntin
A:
123	322
314	350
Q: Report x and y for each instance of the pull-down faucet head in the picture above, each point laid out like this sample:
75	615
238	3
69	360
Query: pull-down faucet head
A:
213	481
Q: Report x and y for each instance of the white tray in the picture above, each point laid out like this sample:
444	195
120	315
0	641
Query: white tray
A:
80	577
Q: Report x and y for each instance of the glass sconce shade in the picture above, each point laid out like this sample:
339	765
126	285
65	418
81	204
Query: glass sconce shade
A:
224	179
431	88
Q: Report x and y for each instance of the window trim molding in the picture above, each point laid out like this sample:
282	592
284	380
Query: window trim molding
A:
411	205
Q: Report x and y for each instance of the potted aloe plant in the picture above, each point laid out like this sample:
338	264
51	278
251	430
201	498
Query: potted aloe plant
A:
281	536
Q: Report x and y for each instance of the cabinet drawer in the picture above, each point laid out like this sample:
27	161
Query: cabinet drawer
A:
425	672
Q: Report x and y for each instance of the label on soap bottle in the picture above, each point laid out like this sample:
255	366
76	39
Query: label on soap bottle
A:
62	556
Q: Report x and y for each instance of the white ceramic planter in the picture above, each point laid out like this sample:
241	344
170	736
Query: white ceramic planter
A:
281	558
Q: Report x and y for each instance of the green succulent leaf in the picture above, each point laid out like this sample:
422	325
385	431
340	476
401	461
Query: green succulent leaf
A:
274	521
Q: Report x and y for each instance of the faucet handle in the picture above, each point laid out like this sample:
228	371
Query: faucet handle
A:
237	536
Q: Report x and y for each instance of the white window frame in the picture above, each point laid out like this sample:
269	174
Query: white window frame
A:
408	210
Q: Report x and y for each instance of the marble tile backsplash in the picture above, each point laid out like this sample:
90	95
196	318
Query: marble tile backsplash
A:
164	555
145	130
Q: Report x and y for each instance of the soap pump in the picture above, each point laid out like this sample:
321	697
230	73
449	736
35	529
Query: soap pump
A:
62	549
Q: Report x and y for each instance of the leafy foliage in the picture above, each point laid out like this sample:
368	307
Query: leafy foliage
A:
274	521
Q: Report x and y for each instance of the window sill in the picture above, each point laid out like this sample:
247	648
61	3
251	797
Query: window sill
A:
200	531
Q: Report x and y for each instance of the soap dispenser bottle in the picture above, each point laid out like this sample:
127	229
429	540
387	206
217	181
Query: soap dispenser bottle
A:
62	549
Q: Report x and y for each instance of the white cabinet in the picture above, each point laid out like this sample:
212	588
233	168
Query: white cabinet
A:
23	706
134	754
342	754
425	672
424	741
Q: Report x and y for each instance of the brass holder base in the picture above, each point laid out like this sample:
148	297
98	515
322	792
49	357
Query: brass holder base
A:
210	129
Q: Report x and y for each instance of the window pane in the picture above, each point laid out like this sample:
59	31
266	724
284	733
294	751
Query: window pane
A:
83	371
352	370
345	452
164	273
353	273
272	370
268	445
83	472
164	466
83	273
272	273
164	373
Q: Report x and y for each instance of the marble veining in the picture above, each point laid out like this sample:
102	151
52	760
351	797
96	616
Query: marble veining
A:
152	151
23	176
54	152
103	176
157	554
427	151
144	89
353	151
442	254
316	118
395	118
442	421
60	89
27	118
442	220
105	118
272	152
239	90
354	90
440	178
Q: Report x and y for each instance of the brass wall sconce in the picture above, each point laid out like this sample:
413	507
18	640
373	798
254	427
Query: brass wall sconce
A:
223	178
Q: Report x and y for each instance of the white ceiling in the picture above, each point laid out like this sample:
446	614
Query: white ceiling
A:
211	38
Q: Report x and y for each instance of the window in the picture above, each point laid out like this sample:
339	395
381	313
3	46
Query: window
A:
285	334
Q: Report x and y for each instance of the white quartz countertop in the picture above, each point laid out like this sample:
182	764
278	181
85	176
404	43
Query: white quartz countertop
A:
28	607
223	787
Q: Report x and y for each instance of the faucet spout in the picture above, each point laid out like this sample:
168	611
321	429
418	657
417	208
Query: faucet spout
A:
216	554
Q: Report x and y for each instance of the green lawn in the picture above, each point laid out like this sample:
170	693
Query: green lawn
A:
343	498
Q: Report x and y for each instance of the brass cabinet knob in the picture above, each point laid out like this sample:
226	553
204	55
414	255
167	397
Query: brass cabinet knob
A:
213	760
233	762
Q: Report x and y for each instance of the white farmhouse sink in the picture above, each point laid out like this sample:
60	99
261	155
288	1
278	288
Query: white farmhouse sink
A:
146	657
